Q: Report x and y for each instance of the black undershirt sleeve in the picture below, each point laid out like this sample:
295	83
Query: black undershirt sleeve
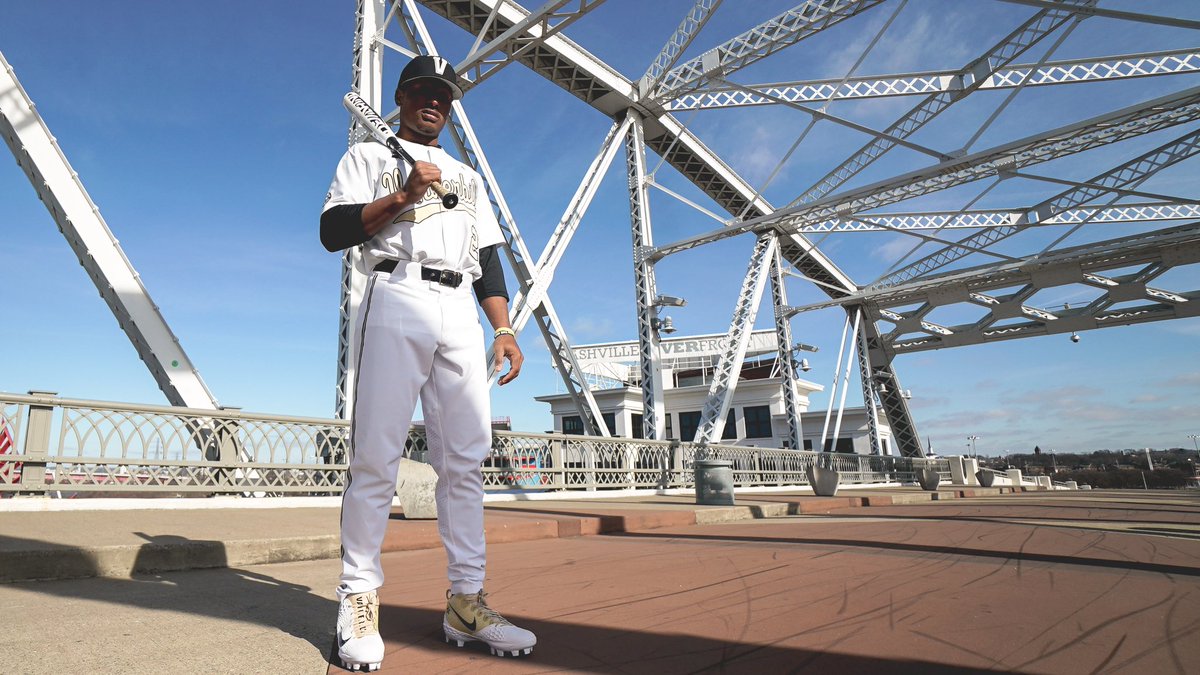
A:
342	227
491	284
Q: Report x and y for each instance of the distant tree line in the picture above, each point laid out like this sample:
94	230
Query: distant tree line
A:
1105	469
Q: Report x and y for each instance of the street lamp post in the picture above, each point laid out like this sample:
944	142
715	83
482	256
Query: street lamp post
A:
972	439
1194	447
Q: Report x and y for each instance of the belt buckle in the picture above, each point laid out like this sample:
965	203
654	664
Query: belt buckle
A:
449	278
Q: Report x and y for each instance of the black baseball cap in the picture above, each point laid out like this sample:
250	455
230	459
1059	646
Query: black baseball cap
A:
430	68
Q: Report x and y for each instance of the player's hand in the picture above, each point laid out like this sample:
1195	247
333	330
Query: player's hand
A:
423	174
505	348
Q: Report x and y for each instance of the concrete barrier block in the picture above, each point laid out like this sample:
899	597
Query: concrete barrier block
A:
415	486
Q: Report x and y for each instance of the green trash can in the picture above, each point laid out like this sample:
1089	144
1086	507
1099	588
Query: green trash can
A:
714	482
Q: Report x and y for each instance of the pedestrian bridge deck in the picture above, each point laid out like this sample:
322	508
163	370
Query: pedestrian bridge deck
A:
878	580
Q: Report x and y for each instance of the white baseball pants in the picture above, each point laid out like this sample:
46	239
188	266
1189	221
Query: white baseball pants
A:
417	337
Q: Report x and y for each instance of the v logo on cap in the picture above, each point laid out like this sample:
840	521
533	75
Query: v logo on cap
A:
440	64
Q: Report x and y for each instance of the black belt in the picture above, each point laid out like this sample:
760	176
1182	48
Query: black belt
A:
444	277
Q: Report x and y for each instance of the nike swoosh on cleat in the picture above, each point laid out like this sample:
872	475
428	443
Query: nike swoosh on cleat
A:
469	624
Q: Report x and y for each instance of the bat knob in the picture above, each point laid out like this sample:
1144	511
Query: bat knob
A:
449	200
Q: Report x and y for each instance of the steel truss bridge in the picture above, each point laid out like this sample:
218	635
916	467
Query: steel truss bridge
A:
1005	186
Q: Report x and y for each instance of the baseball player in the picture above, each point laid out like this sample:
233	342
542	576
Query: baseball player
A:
418	333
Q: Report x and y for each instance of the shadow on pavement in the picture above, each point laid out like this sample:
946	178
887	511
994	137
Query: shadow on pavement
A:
579	647
218	592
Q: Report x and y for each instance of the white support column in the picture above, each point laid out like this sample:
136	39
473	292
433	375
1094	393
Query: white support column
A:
729	368
645	289
786	359
868	387
79	220
366	79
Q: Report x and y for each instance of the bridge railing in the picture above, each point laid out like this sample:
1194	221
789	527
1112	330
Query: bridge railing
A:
79	447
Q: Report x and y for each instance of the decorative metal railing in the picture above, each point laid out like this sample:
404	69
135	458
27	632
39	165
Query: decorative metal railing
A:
79	447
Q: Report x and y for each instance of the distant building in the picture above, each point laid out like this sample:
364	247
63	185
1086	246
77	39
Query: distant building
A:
756	413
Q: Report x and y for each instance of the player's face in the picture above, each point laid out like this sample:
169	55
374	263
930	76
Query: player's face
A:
424	108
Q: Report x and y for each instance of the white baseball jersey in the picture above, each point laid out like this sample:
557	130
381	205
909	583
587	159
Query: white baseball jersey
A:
426	233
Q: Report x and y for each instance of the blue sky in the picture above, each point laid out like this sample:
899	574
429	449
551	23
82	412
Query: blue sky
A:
207	134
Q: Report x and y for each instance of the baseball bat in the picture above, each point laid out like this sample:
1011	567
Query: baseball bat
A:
365	115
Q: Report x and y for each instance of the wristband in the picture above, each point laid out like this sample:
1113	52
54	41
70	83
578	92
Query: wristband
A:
505	331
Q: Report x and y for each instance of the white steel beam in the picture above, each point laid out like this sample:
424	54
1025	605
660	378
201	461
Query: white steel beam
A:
891	394
1123	298
1112	13
60	189
786	357
1129	173
366	79
729	367
645	289
870	388
806	19
1137	120
687	31
518	39
1072	71
1001	54
980	218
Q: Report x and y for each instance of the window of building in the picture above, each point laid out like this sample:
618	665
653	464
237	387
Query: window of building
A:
730	432
688	423
758	421
637	431
610	421
843	445
573	424
668	432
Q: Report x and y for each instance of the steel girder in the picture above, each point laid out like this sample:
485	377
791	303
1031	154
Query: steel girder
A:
975	219
645	289
691	25
973	74
1129	173
759	42
57	185
727	370
891	395
1112	13
547	262
1172	62
786	359
1131	122
484	61
1123	297
365	78
872	386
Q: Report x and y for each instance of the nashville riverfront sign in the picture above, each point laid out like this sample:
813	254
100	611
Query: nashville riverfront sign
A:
761	342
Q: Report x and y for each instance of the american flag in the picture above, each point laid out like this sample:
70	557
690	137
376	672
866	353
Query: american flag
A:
9	471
